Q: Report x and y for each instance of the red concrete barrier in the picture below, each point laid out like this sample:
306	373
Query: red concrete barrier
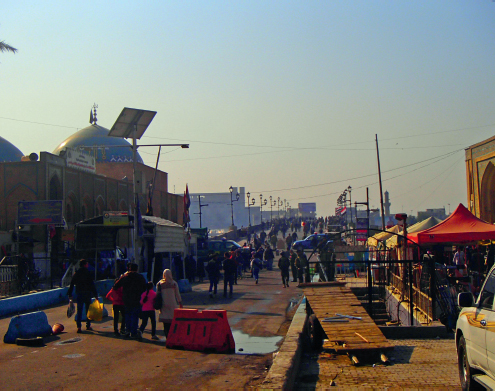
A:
208	330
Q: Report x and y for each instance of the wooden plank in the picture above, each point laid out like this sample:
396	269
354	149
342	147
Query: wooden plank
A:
328	300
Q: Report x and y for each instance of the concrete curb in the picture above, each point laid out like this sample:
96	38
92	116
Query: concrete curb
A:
35	301
283	372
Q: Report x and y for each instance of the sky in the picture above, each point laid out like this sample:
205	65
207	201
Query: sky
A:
284	98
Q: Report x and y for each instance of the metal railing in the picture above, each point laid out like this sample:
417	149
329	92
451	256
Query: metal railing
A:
422	301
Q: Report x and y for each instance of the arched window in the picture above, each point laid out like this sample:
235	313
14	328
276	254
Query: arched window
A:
487	194
99	206
71	208
112	205
55	188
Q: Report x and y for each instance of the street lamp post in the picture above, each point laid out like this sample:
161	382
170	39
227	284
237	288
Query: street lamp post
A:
272	204
248	194
279	204
349	189
231	189
262	202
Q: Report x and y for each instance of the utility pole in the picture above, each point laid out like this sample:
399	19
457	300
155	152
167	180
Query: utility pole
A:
200	213
380	181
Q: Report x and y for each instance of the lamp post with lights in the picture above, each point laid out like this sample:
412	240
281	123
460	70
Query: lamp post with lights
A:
251	201
262	202
231	189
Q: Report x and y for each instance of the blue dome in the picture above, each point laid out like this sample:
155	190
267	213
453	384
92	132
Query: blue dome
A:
110	149
8	152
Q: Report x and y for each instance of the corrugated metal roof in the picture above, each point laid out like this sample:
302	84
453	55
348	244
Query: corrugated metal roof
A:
162	222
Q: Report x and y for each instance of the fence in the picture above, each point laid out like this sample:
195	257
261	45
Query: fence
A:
8	280
421	300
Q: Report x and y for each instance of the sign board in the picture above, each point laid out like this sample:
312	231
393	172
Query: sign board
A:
308	207
362	229
115	219
81	160
68	235
39	212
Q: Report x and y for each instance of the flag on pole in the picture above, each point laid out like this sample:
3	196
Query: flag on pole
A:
187	204
91	116
139	218
187	199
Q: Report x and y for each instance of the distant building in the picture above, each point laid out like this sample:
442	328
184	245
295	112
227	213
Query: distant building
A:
480	173
218	214
438	212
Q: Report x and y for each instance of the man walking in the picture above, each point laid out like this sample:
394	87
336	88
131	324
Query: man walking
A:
293	267
283	265
229	268
133	284
85	290
213	274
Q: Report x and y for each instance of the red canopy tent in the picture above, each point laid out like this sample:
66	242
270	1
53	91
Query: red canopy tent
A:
460	227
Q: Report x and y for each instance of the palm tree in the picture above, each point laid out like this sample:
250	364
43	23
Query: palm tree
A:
4	47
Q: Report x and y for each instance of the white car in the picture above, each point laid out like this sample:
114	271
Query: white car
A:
475	337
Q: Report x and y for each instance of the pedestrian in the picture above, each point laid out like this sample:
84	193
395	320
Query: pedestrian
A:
256	266
288	241
148	311
229	269
459	260
190	268
85	290
269	256
200	269
169	289
283	265
273	240
133	284
294	236
117	299
302	264
293	267
213	274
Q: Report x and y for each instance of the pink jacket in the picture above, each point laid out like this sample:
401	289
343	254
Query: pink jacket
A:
148	306
116	296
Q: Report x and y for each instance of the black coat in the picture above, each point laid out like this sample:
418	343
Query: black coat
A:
133	284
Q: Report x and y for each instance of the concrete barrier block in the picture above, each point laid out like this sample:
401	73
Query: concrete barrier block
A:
184	286
34	324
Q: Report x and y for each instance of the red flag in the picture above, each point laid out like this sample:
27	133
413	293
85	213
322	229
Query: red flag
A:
187	200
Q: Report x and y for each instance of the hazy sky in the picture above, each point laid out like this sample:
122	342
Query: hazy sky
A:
281	97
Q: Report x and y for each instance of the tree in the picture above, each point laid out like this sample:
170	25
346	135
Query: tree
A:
4	47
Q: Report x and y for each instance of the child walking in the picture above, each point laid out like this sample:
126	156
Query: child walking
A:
117	299
147	311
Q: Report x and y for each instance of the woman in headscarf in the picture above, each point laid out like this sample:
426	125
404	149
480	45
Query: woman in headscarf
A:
169	290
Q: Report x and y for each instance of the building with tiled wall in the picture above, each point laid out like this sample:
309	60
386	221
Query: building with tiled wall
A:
480	175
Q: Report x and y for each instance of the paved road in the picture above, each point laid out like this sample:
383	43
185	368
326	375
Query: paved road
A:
415	364
104	361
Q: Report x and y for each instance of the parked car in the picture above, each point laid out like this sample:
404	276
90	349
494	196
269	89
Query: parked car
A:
475	336
222	246
308	243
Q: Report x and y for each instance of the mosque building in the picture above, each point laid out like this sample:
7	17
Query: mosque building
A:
91	173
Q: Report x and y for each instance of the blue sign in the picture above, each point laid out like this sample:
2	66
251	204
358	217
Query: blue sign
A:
39	212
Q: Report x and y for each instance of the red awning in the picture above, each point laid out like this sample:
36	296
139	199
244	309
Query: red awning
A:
460	227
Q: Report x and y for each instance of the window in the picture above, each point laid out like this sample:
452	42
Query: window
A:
486	298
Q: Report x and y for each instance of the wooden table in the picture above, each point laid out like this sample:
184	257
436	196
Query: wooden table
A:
326	300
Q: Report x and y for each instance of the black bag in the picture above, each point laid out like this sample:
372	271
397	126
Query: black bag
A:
158	300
